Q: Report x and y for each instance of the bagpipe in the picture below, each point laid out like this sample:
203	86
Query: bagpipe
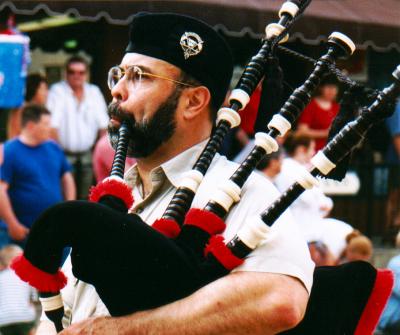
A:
134	266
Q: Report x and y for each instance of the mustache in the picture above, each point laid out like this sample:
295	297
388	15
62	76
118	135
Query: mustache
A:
114	110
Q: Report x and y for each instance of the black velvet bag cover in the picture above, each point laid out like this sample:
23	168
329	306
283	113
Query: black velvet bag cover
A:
132	266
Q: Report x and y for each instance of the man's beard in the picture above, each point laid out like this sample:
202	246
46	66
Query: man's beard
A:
145	137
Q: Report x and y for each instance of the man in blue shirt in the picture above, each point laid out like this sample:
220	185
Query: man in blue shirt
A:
34	175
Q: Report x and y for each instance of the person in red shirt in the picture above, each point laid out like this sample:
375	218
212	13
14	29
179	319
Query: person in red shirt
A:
103	156
318	115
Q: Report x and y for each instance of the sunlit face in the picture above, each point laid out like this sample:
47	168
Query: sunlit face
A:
76	74
329	92
147	106
41	130
40	96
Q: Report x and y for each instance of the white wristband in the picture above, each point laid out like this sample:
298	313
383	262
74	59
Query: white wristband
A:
51	303
191	180
229	115
322	163
267	142
226	194
306	179
253	232
241	96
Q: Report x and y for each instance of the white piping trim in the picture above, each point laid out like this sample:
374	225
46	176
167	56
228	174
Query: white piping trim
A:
191	180
322	163
267	142
253	232
51	303
241	96
226	194
229	115
306	179
280	123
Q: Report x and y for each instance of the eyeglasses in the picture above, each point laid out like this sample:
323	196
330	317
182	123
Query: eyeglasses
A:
134	75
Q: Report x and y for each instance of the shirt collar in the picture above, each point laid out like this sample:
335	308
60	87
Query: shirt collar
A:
174	168
66	85
177	166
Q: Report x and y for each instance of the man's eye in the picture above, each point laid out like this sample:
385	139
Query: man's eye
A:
133	76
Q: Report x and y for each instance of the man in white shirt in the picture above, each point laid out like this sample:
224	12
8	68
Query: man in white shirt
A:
79	116
170	101
312	207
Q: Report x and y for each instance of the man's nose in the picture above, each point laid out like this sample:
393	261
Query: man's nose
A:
120	91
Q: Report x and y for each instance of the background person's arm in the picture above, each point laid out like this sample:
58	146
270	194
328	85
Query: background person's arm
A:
304	130
16	230
68	186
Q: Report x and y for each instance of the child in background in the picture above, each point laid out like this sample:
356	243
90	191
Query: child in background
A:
17	313
359	248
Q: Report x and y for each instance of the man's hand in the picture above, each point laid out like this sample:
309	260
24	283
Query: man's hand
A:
17	231
94	326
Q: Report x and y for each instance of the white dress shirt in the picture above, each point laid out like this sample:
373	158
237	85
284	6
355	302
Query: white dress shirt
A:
77	122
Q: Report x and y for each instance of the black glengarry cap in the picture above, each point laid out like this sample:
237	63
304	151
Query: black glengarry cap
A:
188	43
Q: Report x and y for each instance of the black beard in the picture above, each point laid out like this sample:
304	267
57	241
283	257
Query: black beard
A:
145	136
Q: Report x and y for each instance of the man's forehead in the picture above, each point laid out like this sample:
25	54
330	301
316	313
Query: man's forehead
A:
132	58
77	64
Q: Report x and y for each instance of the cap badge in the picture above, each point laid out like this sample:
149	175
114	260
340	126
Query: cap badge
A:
191	44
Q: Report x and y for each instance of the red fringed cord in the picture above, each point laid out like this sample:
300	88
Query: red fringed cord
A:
42	281
222	253
205	220
377	300
167	227
112	187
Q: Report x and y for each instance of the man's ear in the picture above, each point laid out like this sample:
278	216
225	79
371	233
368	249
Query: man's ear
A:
29	125
195	100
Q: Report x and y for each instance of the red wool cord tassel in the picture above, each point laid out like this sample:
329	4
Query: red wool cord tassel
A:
42	281
379	296
112	187
222	253
205	220
167	227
